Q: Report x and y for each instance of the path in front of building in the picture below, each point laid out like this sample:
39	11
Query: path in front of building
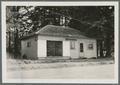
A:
105	71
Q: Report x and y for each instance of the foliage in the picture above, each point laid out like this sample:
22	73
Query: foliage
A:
95	21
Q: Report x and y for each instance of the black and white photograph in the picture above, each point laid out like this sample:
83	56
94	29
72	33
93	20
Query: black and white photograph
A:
60	42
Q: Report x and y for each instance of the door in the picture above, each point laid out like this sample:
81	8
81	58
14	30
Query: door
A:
81	50
54	48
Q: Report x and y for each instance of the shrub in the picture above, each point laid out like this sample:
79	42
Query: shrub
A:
24	56
82	58
93	58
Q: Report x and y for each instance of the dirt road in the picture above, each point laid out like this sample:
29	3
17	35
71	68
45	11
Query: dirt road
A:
79	72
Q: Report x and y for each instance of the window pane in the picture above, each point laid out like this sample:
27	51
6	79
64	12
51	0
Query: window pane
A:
81	47
90	46
72	44
28	44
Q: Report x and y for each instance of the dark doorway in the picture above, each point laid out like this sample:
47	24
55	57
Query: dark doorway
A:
54	48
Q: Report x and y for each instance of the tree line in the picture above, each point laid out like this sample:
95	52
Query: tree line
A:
95	21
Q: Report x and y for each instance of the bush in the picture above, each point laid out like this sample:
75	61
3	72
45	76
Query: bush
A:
24	56
82	58
93	58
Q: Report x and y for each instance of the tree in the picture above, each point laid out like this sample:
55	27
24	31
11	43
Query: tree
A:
94	21
12	26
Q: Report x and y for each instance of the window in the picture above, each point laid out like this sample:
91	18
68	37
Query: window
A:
36	38
81	47
72	44
90	46
28	44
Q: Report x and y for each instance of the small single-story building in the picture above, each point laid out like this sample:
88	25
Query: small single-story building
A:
58	42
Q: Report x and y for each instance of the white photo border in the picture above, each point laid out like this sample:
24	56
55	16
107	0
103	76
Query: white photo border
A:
60	3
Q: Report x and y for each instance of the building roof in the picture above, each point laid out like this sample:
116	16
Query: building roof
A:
62	31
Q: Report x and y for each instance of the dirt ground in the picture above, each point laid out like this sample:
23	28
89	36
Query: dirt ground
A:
29	69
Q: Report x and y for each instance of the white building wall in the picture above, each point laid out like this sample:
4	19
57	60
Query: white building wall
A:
88	53
39	48
42	45
91	52
30	52
54	38
42	48
74	53
66	48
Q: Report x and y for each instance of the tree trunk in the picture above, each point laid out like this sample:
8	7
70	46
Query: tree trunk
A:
16	45
100	49
108	45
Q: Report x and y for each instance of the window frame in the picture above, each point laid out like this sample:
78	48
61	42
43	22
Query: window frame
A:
28	44
72	44
81	47
90	46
